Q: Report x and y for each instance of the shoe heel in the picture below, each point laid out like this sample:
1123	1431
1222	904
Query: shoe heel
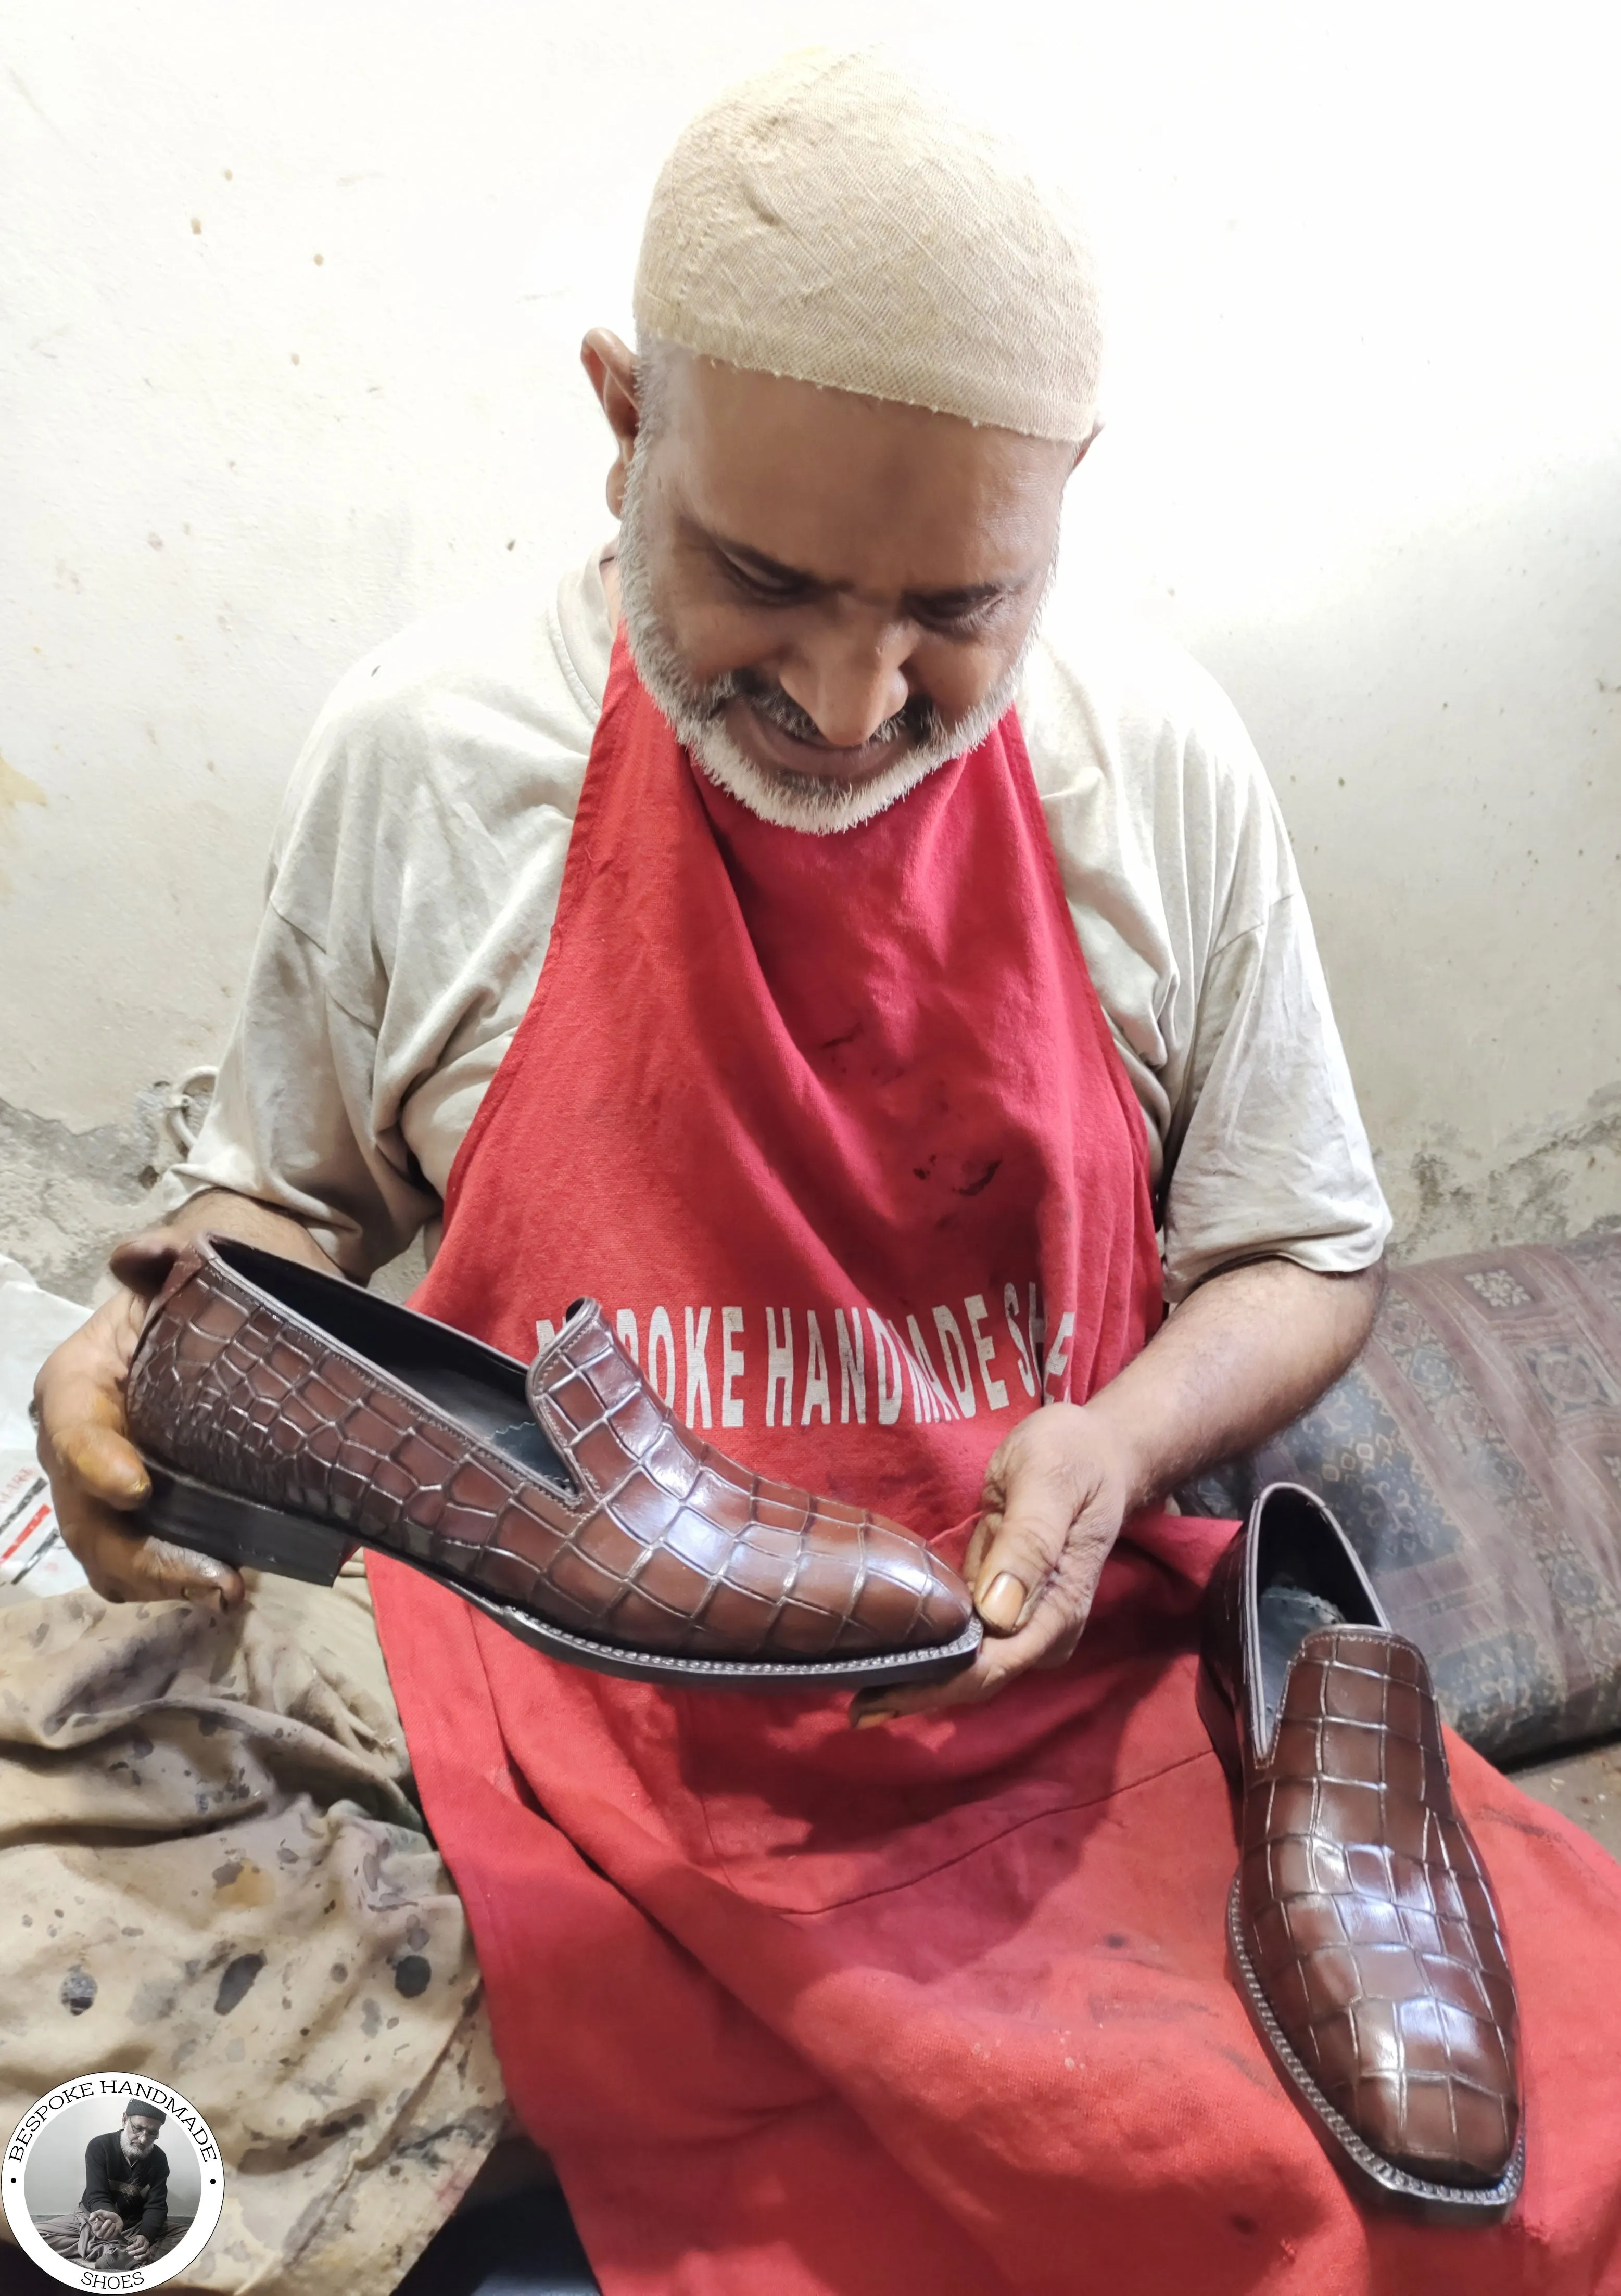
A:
235	1530
1220	1724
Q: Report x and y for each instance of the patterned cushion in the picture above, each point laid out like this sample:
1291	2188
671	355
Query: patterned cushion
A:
1473	1453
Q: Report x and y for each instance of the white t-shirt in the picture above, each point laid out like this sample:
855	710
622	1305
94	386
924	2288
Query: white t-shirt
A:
416	866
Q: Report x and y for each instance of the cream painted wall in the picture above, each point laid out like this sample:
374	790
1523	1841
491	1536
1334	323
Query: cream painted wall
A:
289	301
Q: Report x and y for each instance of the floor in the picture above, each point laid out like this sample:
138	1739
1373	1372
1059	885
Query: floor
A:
1585	1786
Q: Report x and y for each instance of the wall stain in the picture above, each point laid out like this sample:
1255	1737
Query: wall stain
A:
28	97
65	1196
16	788
1558	1186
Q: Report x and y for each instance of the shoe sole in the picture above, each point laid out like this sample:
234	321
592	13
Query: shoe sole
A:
253	1538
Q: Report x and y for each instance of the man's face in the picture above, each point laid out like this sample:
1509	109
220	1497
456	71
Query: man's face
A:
829	595
140	2135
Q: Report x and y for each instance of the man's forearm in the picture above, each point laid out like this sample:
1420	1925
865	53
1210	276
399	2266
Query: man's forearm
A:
98	2200
1241	1357
135	1263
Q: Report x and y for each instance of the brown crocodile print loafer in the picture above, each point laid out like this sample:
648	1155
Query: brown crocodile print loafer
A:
286	1417
1361	1927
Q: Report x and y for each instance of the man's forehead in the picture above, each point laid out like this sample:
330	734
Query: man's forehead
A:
851	491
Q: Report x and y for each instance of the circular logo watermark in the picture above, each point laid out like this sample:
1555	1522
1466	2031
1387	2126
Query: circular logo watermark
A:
112	2181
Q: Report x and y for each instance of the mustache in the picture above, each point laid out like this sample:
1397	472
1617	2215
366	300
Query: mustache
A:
917	724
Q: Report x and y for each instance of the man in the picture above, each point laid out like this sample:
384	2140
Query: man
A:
122	2216
893	997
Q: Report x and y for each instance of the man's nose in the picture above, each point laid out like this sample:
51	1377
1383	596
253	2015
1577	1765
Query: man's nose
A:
849	684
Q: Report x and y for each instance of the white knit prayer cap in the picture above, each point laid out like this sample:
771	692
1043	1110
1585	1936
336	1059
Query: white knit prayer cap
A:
837	220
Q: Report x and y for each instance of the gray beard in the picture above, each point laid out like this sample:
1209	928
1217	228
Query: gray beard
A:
818	804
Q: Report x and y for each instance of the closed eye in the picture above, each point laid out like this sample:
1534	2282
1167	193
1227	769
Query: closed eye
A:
765	588
964	620
954	613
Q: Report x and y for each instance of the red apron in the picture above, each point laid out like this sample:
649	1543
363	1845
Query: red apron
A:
836	1130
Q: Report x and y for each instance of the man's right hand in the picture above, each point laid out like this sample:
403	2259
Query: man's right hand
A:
98	1484
106	2224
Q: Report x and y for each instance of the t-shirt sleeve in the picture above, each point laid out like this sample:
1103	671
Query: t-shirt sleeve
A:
1176	864
299	1120
291	1120
1264	1153
1268	1157
414	877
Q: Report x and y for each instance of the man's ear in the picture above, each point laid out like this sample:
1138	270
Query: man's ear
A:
611	365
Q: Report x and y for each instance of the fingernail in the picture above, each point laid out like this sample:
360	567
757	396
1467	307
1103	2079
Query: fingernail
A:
874	1714
1000	1605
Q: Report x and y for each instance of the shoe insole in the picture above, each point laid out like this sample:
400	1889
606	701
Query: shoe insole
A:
485	1412
483	1390
529	1448
1287	1615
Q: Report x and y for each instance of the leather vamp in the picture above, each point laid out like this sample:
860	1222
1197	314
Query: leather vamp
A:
1368	1915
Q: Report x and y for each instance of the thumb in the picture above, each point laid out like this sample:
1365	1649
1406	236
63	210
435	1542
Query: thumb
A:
105	1461
1025	1540
142	1263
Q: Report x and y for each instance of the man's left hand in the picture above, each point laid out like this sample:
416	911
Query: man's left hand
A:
1243	1354
135	2246
1056	1492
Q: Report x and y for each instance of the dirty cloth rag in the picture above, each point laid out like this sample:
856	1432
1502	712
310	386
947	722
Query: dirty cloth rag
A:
212	1871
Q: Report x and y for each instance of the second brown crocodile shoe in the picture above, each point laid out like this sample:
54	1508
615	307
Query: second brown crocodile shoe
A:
286	1417
1362	1928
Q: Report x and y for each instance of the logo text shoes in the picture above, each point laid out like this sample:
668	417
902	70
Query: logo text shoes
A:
286	1416
1361	1927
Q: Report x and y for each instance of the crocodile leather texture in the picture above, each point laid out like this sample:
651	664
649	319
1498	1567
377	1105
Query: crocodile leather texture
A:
1361	1905
663	1545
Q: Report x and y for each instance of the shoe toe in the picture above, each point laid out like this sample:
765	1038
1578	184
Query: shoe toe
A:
948	1607
1437	2129
903	1597
1414	2050
1441	2105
